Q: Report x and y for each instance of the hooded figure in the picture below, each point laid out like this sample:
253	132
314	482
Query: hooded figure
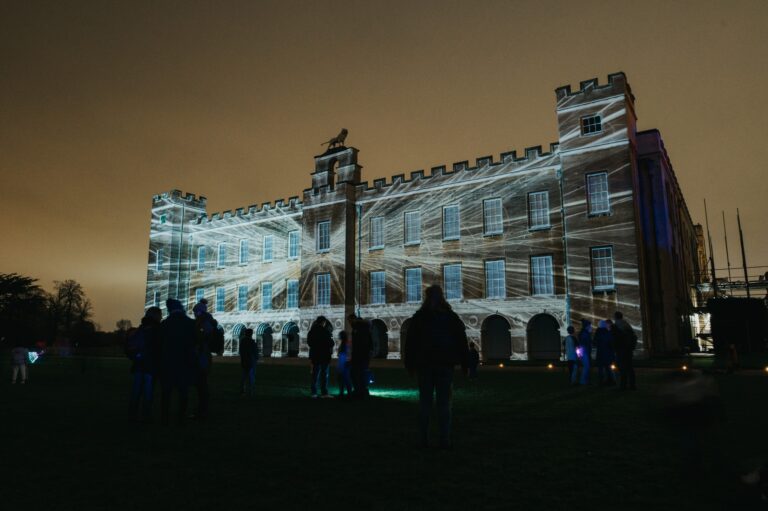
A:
177	363
605	354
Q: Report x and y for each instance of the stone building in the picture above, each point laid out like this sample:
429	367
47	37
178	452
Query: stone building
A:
523	245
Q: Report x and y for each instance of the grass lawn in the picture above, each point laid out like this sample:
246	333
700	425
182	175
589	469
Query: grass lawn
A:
523	440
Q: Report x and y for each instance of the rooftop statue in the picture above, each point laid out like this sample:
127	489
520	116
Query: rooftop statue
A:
338	140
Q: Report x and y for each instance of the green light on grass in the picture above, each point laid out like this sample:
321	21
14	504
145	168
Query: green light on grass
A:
403	394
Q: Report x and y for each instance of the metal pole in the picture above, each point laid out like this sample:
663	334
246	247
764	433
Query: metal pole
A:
565	252
743	254
727	256
711	254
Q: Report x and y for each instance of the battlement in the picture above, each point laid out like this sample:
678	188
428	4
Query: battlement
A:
617	82
281	206
176	196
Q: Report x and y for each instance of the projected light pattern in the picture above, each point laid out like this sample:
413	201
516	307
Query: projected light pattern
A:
427	222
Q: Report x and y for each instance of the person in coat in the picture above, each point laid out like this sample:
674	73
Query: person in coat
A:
320	342
571	356
436	342
146	361
362	344
205	326
249	357
626	342
585	350
605	355
342	366
178	360
474	360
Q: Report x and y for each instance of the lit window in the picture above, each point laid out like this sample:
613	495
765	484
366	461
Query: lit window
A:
243	251
492	217
597	193
267	253
293	245
242	298
452	281
220	299
266	296
201	258
159	260
292	301
323	236
591	124
378	288
413	285
538	210
156	298
412	228
602	268
451	223
376	235
221	260
542	281
199	294
163	219
495	282
323	291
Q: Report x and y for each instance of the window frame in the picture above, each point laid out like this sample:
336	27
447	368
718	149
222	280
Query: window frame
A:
201	258
500	232
583	125
372	289
371	245
223	291
199	294
406	215
243	252
421	284
461	282
292	234
159	260
317	289
602	288
551	275
271	239
607	192
263	288
317	236
503	279
288	293
242	305
221	250
457	236
547	210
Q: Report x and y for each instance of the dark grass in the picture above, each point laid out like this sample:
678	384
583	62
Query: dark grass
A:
523	440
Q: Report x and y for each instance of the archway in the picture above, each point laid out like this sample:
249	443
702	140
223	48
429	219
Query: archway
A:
379	338
234	344
495	339
543	336
264	334
290	339
403	335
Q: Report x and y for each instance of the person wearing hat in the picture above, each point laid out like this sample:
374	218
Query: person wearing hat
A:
177	364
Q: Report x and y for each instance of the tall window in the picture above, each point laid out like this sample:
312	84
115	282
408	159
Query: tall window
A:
156	298
323	289
266	296
602	268
495	282
243	251
159	260
293	245
220	299
378	288
412	234
323	236
591	124
268	244
538	210
452	281
542	281
451	222
413	285
242	298
376	233
597	193
199	294
200	258
292	300
493	222
221	260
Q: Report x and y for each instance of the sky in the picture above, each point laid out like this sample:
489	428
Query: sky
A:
104	104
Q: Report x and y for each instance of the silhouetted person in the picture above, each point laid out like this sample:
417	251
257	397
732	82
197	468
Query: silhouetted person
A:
473	361
143	346
626	342
342	367
249	356
605	353
585	347
205	327
571	356
361	355
436	342
178	362
320	342
19	362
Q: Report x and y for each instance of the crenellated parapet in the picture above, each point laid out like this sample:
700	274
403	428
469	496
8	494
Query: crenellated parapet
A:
178	197
617	83
253	212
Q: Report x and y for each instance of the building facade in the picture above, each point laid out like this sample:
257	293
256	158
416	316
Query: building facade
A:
523	245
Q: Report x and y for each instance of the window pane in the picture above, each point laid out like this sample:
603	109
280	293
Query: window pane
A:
452	281
266	296
323	236
541	276
492	217
323	284
159	260
243	251
220	299
222	259
293	294
268	243
156	298
293	245
412	227
242	298
199	294
494	279
201	258
378	288
451	225
538	210
413	285
591	124
602	268
376	232
597	193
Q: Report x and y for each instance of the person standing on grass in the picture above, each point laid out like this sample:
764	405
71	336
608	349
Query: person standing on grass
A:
605	354
143	348
585	346
206	328
361	355
474	360
436	342
19	362
342	366
178	362
249	356
626	342
320	342
571	356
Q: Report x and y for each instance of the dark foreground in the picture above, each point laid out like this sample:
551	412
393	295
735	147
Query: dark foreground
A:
522	440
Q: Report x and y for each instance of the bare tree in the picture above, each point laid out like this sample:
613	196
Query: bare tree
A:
123	325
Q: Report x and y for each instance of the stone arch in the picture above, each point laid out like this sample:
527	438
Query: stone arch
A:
291	339
403	335
379	339
264	337
496	338
543	338
234	343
